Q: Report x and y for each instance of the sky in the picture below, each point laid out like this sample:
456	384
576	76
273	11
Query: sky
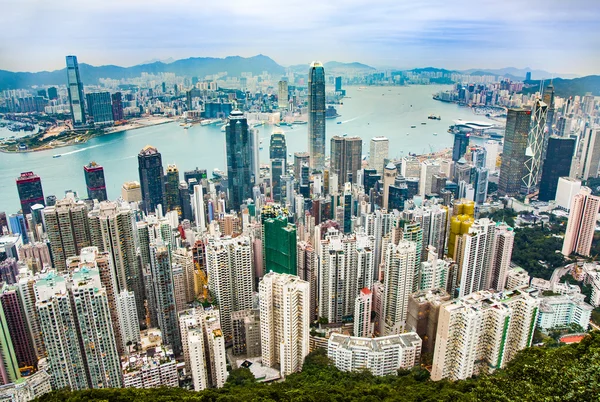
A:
556	36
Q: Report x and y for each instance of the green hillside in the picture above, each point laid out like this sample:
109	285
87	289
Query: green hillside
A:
567	373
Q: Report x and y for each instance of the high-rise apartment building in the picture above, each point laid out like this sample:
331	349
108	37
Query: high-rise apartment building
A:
504	238
512	169
482	332
423	313
560	150
75	90
280	245
208	361
99	107
246	332
435	272
378	153
240	159
284	321
94	181
346	158
9	362
307	270
582	223
432	219
151	178
316	115
13	312
362	314
29	187
381	356
68	230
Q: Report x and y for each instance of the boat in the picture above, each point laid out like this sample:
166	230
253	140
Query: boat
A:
339	122
299	122
223	128
423	124
434	117
413	126
285	123
57	156
434	133
260	123
187	125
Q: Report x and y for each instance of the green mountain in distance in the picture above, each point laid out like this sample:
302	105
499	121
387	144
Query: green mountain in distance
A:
568	87
565	373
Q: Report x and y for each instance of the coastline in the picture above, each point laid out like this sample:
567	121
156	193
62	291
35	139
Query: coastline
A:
134	125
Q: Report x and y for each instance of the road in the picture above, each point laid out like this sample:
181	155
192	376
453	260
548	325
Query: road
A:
559	273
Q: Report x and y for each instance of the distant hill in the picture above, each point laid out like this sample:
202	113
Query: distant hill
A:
517	73
431	70
569	87
193	66
335	67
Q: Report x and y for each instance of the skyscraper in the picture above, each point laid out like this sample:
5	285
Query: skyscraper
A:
346	158
151	178
461	142
512	169
117	106
284	321
581	224
13	317
504	238
239	148
536	146
100	107
389	177
9	365
590	154
362	313
560	151
172	188
75	90
94	181
29	186
280	245
282	94
549	101
316	115
378	153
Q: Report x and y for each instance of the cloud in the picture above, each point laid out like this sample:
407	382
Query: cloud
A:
549	34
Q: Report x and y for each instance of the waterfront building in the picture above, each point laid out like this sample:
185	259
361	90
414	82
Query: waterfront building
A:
561	152
241	172
378	153
75	91
512	169
316	115
68	230
581	224
94	181
381	356
117	106
346	158
29	187
461	142
99	108
151	178
284	321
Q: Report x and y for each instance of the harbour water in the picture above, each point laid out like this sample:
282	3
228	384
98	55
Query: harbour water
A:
367	112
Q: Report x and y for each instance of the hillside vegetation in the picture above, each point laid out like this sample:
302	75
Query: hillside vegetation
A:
567	373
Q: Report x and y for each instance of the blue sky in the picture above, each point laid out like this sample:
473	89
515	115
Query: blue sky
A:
557	36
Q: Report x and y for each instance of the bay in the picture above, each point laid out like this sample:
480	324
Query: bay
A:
367	112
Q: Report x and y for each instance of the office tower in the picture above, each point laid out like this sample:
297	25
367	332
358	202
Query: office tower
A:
590	157
512	169
95	331
117	106
536	146
151	178
504	238
473	254
389	177
316	115
429	168
581	224
399	274
246	332
164	294
206	345
112	229
378	153
9	359
199	210
230	276
461	142
560	152
482	332
492	150
566	190
29	187
99	107
240	158
346	158
284	321
280	245
131	191
300	159
52	93
75	90
68	230
381	356
307	268
94	181
282	95
185	201
277	170
480	185
345	267
18	227
172	188
277	146
423	311
548	99
362	313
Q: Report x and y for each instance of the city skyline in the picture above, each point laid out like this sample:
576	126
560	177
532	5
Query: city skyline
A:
392	34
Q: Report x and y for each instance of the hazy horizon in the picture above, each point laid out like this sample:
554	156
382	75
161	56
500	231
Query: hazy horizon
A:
554	36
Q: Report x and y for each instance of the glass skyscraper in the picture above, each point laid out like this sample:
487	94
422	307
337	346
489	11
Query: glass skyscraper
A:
561	151
238	142
151	178
316	115
75	89
512	169
99	107
29	186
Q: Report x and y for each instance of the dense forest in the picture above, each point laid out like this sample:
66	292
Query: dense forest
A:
566	373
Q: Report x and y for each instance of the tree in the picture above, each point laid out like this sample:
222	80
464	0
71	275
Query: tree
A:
240	376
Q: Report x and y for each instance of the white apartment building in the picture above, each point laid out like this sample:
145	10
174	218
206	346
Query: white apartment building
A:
434	272
128	318
381	356
362	314
582	223
155	367
516	277
564	310
206	351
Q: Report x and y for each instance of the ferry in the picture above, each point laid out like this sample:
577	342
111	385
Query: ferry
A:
57	156
423	124
285	123
300	122
413	126
434	133
434	117
339	122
